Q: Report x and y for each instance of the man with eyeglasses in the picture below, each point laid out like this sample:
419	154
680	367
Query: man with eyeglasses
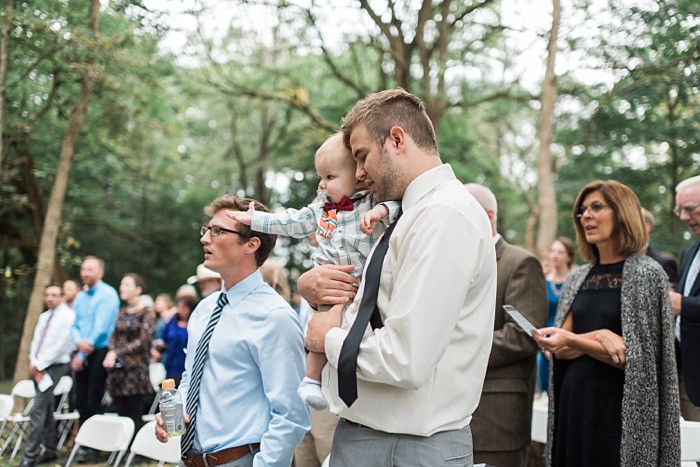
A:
245	356
686	301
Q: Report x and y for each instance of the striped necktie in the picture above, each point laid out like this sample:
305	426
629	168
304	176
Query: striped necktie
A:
200	359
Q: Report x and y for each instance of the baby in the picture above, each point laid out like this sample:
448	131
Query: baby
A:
346	222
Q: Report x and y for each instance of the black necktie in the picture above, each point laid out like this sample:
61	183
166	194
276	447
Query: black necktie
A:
347	363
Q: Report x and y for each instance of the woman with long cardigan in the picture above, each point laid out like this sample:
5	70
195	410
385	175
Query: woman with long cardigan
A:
613	393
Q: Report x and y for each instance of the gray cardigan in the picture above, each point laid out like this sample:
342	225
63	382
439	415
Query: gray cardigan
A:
650	401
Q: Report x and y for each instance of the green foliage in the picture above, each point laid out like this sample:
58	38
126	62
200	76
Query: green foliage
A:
643	131
167	134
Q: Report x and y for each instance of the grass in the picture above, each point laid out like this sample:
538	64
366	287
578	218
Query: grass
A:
5	386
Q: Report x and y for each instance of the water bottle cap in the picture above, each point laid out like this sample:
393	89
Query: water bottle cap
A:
167	384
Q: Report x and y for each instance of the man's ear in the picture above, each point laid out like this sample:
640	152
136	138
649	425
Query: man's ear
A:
397	138
253	244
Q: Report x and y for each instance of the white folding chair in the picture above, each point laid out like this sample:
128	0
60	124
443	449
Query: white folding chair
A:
7	403
538	431
24	389
146	444
64	419
690	441
109	433
156	373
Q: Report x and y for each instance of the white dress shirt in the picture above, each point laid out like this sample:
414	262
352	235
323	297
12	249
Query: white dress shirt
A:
422	373
57	344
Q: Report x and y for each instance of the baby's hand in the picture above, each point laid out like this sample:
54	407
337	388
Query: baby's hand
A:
367	223
370	218
241	216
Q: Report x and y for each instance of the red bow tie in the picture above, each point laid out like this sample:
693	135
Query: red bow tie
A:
345	204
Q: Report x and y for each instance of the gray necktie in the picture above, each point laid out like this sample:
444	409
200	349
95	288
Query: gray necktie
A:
692	274
200	357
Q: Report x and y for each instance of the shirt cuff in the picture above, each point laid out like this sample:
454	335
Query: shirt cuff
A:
334	342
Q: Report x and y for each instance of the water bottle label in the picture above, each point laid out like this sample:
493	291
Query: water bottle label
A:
175	423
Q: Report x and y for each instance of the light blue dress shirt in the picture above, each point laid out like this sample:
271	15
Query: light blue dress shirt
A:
96	311
256	361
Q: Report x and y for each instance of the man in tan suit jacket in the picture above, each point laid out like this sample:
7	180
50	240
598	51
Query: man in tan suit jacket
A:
501	424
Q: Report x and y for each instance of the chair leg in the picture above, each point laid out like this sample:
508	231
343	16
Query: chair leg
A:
129	459
9	438
18	443
120	454
76	446
64	428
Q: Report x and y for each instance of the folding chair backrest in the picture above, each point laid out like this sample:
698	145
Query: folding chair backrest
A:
25	390
106	433
62	389
146	444
7	402
690	435
110	433
64	385
156	373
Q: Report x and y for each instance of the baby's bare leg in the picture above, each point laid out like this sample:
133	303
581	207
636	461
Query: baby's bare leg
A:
314	365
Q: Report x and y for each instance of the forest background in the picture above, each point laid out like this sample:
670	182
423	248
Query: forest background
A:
114	138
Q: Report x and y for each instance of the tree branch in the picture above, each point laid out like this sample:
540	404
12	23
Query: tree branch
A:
292	97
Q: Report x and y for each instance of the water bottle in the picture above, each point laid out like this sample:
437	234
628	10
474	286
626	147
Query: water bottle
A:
171	409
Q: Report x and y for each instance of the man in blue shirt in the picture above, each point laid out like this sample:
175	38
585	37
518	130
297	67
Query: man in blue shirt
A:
96	310
243	408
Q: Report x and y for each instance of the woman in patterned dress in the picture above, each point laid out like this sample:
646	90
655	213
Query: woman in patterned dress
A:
129	352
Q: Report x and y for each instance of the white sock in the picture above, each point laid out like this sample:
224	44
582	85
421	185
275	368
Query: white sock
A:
310	391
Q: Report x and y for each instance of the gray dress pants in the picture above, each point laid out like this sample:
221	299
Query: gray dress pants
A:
355	445
42	426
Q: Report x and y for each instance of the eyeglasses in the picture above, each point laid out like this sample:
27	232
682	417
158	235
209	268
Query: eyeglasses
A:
594	207
688	208
216	231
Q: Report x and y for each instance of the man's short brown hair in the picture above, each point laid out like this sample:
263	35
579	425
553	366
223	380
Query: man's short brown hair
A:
381	111
100	262
234	203
629	234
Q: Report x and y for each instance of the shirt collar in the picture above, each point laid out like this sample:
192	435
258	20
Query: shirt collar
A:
239	291
91	291
425	183
359	195
496	238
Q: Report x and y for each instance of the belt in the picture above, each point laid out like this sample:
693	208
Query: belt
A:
220	457
355	424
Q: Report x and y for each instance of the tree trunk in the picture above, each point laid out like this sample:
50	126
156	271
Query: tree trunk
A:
47	243
675	164
4	42
547	230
